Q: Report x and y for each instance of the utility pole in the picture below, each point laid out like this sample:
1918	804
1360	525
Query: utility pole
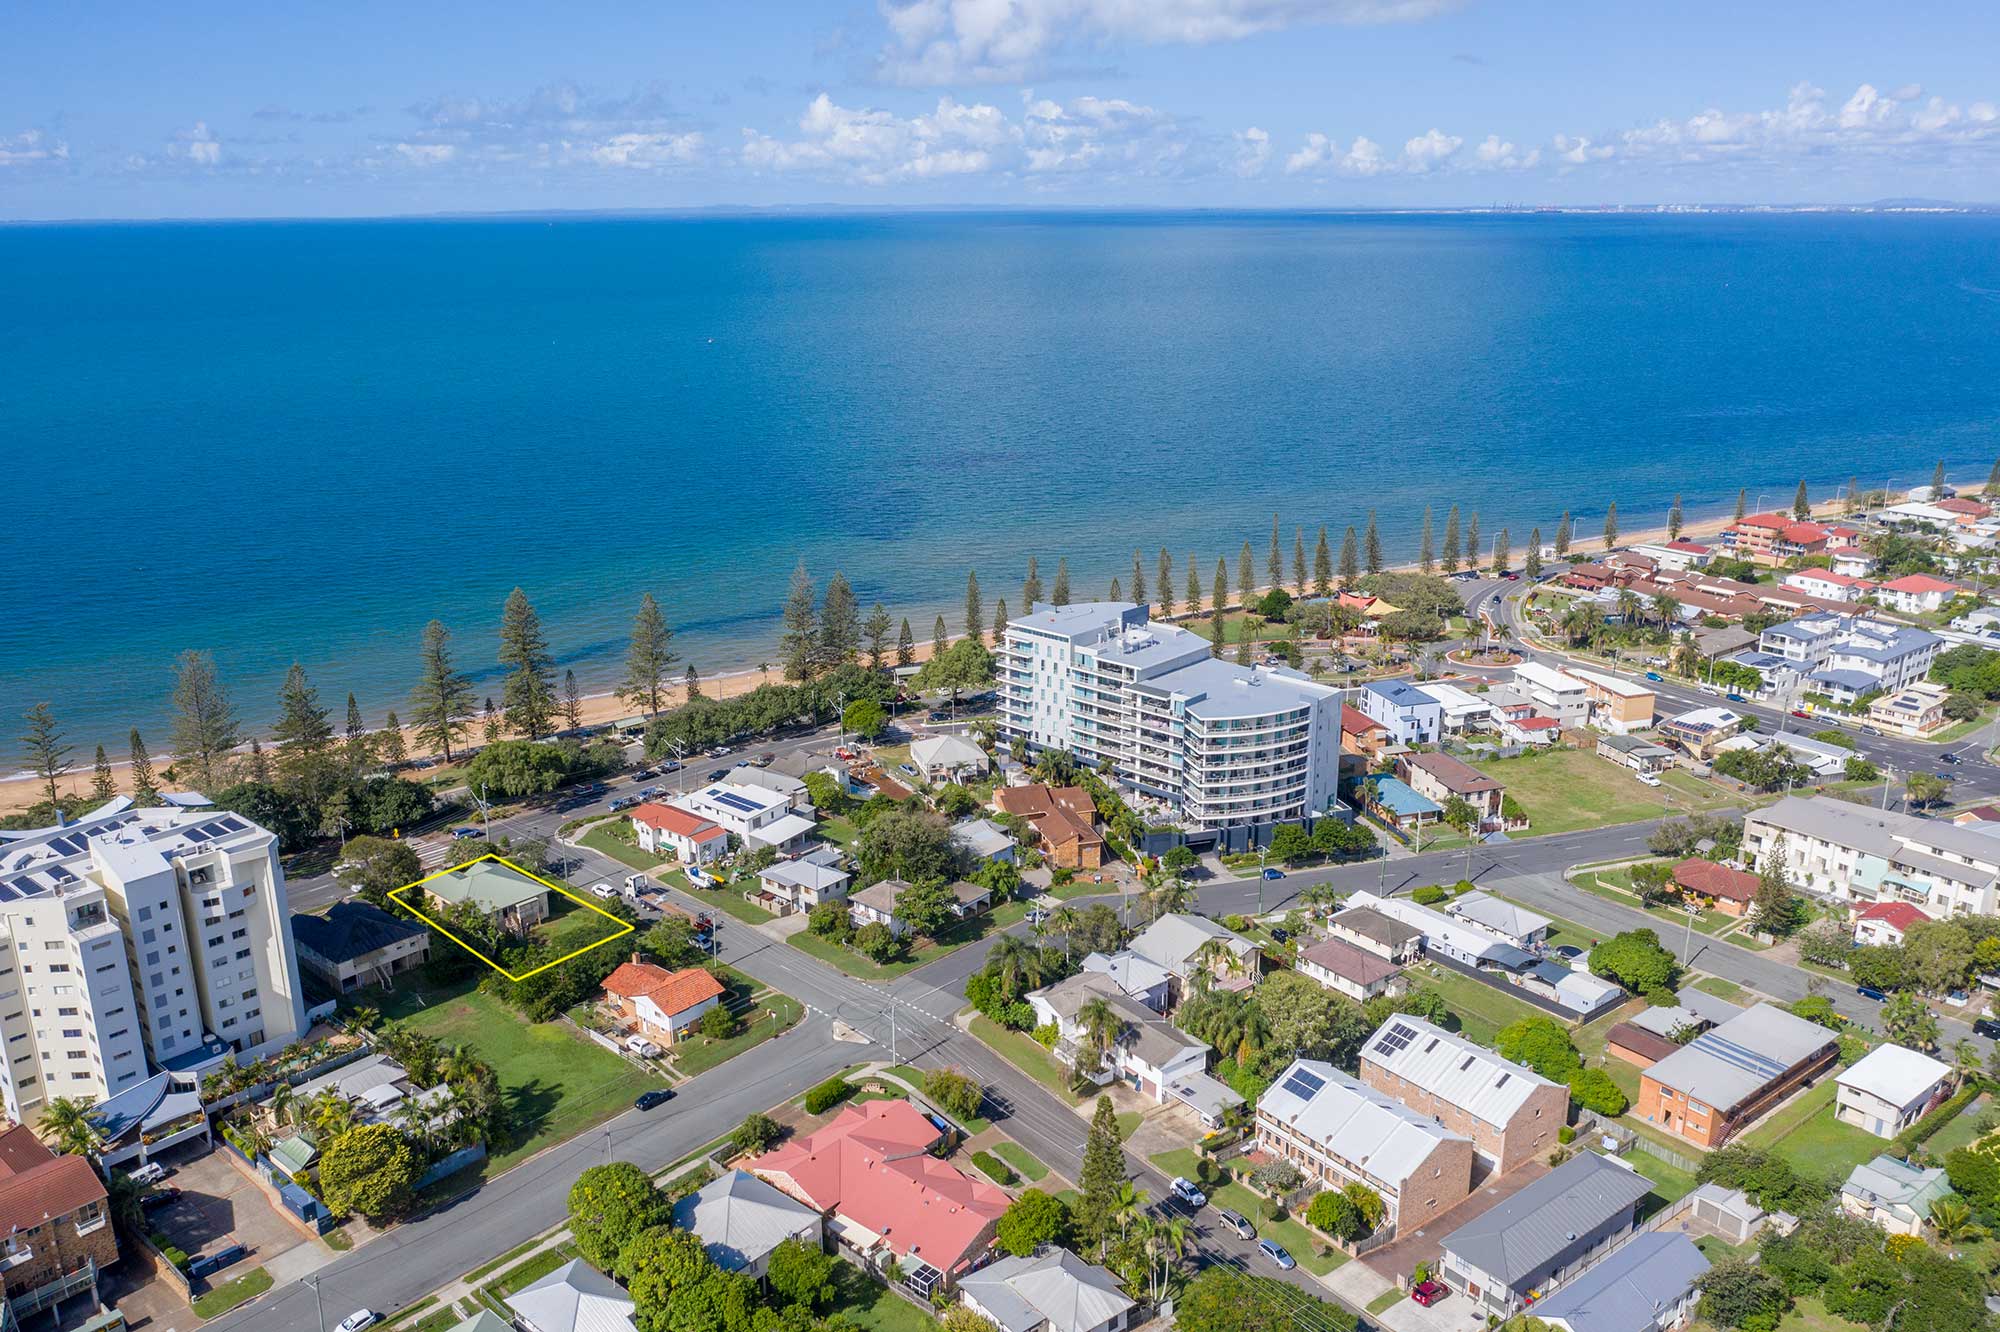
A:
318	1309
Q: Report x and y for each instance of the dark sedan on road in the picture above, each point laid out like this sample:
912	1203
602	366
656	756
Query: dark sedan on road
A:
647	1100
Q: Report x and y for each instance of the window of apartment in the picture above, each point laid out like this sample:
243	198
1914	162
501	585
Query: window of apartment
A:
216	942
65	1012
248	994
58	966
157	980
239	934
236	915
252	1013
228	1022
145	913
242	953
149	936
121	1032
72	1033
153	959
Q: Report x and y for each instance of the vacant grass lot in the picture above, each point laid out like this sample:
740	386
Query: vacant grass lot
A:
1565	790
556	1081
601	840
218	1300
1721	988
1025	1053
949	940
1481	1010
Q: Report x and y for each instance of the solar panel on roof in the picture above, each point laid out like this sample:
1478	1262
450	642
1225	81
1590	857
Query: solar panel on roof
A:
198	834
233	824
1396	1039
1304	1084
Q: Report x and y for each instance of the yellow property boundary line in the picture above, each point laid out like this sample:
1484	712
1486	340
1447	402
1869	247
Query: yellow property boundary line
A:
440	927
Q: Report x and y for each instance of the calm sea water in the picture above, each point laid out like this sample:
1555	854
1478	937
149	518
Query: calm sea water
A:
301	441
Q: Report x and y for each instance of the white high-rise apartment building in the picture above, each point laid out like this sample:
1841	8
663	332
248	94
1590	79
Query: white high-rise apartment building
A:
1230	746
140	939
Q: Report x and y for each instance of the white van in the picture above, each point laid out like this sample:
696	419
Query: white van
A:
642	1047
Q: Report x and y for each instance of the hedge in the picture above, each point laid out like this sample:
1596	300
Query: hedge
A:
828	1094
1920	1132
998	1170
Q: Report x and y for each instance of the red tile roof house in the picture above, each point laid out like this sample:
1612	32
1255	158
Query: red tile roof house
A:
661	1004
870	1173
1886	923
54	1212
667	831
1916	593
1707	884
1361	733
1773	538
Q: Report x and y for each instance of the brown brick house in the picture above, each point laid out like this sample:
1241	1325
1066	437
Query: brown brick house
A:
1064	819
1510	1113
53	1212
1729	1075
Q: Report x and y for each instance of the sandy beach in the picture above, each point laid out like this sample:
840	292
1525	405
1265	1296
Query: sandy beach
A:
21	791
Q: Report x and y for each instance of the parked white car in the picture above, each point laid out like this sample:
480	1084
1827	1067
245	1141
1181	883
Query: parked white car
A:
604	890
358	1320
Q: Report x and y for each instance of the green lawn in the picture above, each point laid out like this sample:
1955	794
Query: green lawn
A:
728	900
1565	790
1670	1183
1589	1039
219	1300
1128	1124
1025	1053
1806	1133
1180	1162
1481	1010
601	840
557	1083
1014	1154
1959	1133
1720	987
949	940
698	1054
873	1307
1383	1302
839	829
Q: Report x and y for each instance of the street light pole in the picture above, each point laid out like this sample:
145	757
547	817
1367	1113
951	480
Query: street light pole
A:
318	1309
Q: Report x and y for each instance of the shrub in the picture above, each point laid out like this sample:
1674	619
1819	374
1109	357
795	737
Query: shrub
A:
958	1094
1047	1035
996	1169
1594	1090
1277	1176
1429	895
874	942
1033	1219
1273	1210
718	1024
755	1134
1334	1215
829	920
1565	1134
828	1094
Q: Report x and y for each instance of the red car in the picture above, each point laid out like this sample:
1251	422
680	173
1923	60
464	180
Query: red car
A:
1800	712
1428	1293
844	755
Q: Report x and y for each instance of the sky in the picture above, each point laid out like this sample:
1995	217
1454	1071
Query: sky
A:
145	110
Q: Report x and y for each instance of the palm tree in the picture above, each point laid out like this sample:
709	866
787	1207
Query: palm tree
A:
1101	1026
1066	921
1015	963
1171	895
331	1116
1952	1220
1128	1206
1668	608
1166	1245
66	1126
1213	953
1628	605
282	1103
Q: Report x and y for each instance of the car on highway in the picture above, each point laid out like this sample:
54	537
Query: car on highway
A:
718	774
1273	872
1655	677
649	793
1186	1190
1276	1253
625	802
1236	1222
763	760
466	832
721	751
844	754
657	1096
938	717
1988	1028
1428	1293
1950	758
1870	992
1038	915
668	767
1801	712
603	890
1735	698
357	1321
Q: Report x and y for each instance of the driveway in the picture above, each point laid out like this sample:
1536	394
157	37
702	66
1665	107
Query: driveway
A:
218	1204
1400	1257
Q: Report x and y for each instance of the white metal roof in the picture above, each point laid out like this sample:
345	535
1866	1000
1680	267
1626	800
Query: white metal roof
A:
1895	1074
1435	925
1452	1068
1367	1127
1503	918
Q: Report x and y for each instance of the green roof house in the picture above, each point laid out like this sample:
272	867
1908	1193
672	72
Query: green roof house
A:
510	899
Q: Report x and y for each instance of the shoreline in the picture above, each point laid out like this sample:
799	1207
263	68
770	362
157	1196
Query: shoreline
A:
19	791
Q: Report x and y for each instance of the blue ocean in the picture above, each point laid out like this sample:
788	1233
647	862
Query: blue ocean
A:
300	441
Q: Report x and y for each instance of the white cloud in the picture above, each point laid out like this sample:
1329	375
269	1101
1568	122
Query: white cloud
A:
197	145
1580	150
32	148
1253	152
1048	138
1006	41
1497	154
426	154
640	152
1429	151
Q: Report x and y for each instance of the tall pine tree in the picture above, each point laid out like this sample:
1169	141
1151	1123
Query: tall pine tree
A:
1533	563
1322	566
1165	585
1193	586
1674	520
1937	482
839	623
1742	498
1059	594
441	705
999	620
144	793
1274	563
204	726
1611	526
1246	576
1096	1209
360	747
1371	546
799	643
103	785
1503	552
1220	588
390	745
906	645
649	659
1350	560
1472	540
1993	480
1138	579
1563	537
1802	506
877	631
1031	587
1299	560
305	738
528	693
47	755
1427	547
1451	541
572	702
940	638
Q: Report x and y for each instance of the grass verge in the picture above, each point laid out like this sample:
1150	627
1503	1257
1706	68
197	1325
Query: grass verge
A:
219	1300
